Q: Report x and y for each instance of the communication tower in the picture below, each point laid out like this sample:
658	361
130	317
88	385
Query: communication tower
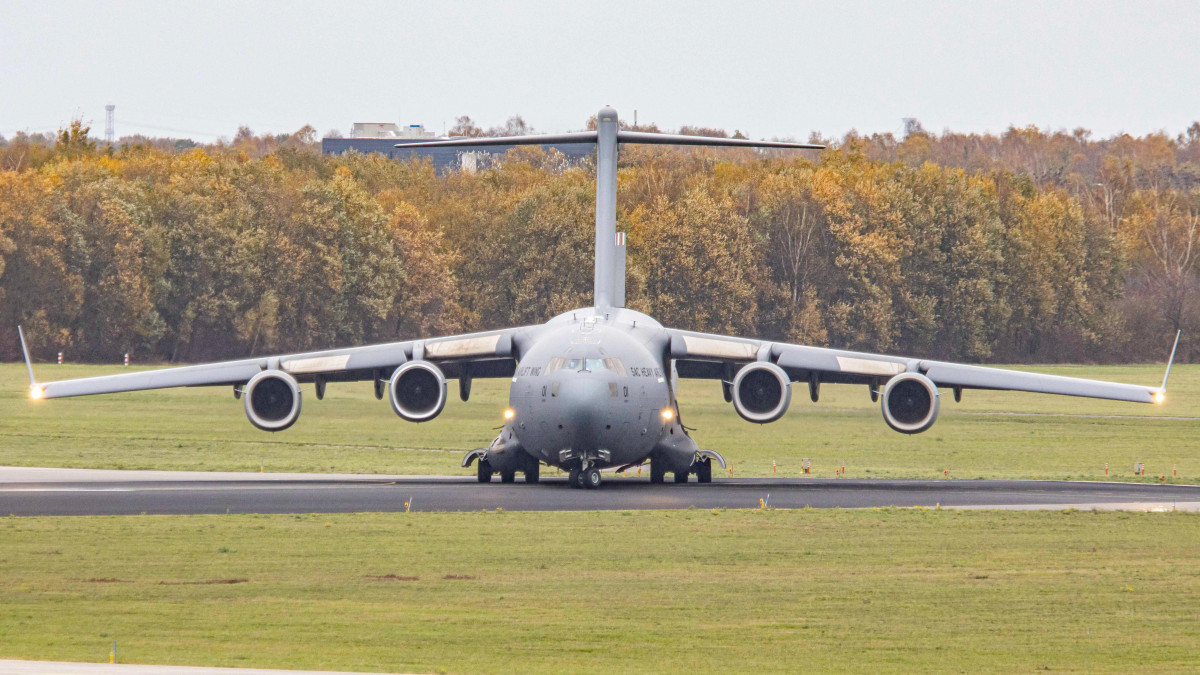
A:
109	129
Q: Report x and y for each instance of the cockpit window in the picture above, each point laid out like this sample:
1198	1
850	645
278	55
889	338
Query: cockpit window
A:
585	365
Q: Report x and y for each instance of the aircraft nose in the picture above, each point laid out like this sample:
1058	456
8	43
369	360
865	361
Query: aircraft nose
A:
583	401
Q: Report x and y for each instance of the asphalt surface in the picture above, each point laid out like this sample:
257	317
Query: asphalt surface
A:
32	492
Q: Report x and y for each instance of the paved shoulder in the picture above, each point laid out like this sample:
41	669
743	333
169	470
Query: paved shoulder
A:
67	668
38	474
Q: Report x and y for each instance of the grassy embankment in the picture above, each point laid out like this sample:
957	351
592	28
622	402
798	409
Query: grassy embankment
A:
752	591
989	434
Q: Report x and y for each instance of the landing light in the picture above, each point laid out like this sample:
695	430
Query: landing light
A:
509	413
667	414
36	392
1159	397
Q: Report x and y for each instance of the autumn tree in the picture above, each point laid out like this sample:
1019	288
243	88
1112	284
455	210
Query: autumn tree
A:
700	261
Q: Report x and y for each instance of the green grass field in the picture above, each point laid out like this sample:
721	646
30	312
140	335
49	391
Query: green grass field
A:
890	591
879	591
988	435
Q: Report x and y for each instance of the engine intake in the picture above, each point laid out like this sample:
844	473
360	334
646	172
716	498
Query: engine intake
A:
910	403
272	400
418	391
761	392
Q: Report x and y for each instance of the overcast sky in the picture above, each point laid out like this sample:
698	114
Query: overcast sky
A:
200	69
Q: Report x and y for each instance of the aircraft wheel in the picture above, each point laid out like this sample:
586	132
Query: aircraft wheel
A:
681	476
508	476
656	472
573	478
533	473
591	478
704	471
483	471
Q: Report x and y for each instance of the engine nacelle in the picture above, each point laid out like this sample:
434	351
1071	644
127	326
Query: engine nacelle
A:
272	400
418	391
761	392
910	403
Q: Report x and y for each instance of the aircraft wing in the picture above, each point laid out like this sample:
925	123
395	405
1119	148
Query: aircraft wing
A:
701	355
486	354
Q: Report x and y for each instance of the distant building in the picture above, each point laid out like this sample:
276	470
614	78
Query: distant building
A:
382	137
389	130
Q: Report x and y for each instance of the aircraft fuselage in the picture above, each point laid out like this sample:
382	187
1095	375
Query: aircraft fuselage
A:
592	388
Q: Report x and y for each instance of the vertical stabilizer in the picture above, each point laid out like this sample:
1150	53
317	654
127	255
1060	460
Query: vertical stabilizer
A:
606	209
619	271
609	288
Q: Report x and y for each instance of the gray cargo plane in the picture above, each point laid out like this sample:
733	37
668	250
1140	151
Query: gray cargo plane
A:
596	387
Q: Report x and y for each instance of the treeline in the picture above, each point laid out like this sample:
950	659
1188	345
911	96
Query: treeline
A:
1028	246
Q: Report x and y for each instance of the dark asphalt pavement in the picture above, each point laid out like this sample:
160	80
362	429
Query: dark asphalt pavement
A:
330	494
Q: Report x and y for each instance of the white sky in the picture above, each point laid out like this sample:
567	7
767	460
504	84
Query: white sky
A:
200	69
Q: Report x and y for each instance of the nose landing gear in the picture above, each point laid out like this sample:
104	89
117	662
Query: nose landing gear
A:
588	478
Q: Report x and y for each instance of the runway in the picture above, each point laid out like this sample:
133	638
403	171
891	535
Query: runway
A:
41	492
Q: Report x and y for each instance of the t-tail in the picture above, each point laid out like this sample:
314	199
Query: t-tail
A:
609	285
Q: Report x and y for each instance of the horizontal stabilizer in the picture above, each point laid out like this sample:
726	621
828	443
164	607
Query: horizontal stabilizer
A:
679	139
622	137
472	141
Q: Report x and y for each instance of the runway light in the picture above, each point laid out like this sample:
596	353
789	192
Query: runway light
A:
667	414
1159	397
509	413
36	392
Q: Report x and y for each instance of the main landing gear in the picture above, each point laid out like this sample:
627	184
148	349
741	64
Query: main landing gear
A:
484	472
702	467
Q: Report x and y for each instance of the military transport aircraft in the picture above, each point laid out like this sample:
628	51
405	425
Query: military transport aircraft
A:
596	387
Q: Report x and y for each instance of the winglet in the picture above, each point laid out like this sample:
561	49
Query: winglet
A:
1170	361
25	351
34	390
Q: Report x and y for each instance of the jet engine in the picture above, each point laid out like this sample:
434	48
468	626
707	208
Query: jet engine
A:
272	400
418	391
910	403
761	392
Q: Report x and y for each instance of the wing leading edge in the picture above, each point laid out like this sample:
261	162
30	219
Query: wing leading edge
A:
708	356
489	348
